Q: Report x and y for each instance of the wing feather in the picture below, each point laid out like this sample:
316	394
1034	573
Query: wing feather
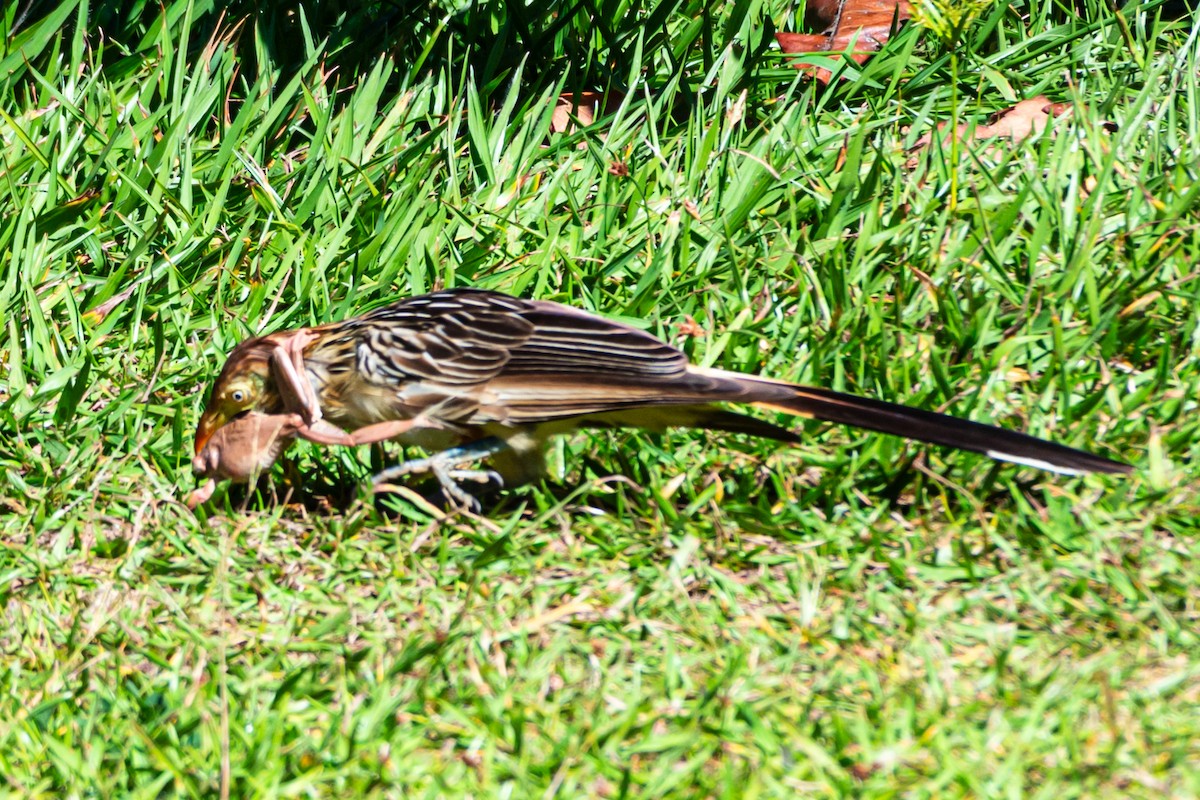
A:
467	337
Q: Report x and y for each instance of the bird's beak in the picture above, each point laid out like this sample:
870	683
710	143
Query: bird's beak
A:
209	423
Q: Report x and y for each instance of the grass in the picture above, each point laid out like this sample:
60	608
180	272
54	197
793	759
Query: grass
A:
856	616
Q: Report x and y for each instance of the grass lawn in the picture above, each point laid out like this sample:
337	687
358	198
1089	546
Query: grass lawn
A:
670	614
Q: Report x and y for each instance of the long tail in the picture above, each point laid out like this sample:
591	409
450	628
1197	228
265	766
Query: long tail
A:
915	423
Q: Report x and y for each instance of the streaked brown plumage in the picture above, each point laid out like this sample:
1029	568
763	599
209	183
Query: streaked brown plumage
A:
456	366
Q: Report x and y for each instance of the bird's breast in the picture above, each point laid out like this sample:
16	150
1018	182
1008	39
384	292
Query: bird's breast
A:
353	404
351	400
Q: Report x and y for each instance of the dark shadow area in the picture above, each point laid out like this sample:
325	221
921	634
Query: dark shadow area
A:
594	42
325	488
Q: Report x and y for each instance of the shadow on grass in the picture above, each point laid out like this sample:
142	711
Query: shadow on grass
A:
325	489
489	40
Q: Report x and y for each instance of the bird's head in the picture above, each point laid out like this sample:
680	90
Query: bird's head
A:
243	385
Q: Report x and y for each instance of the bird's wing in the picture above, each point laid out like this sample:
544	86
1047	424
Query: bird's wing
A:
472	336
519	360
568	342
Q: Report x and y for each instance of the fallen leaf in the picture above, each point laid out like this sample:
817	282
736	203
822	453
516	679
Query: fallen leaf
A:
867	24
97	314
582	106
1019	122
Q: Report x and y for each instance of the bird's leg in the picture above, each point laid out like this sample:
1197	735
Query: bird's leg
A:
445	466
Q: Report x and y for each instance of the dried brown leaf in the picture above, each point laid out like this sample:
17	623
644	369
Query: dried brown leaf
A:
867	24
97	314
1019	122
582	106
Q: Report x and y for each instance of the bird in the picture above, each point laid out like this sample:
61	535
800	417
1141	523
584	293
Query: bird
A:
469	374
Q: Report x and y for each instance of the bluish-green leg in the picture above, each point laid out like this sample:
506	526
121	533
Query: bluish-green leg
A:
446	467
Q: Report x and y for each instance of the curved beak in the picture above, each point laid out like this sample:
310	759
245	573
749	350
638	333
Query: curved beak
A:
210	422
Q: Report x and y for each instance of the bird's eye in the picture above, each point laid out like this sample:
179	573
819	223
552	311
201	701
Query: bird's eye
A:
238	396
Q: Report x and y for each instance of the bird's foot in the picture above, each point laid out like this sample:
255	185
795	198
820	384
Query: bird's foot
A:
447	467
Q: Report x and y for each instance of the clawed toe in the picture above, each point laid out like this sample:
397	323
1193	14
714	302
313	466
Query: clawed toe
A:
446	467
451	481
476	476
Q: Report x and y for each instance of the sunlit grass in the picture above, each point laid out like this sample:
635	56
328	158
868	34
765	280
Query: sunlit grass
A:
856	616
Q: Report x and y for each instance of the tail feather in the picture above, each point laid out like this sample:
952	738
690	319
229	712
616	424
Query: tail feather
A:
934	428
703	417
